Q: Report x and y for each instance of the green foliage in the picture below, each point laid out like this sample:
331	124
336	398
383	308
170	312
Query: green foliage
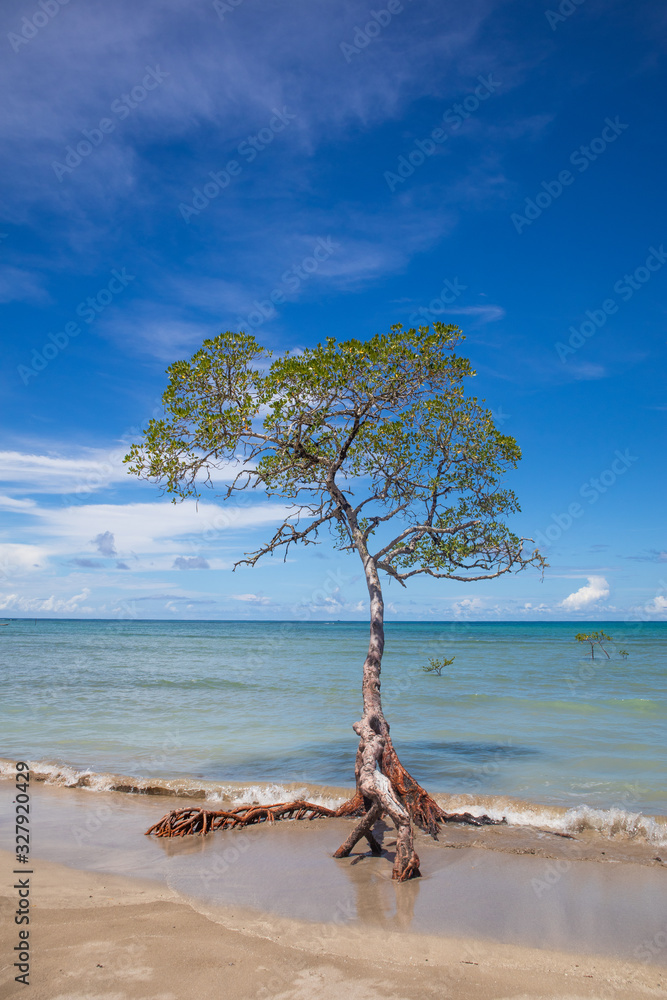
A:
436	666
624	653
353	434
594	638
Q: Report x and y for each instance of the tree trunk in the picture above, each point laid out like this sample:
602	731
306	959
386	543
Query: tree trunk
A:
379	774
384	787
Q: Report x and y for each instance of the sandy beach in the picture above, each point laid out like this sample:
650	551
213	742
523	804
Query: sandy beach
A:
500	912
102	937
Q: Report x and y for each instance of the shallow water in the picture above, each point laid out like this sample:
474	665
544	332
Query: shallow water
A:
522	712
580	906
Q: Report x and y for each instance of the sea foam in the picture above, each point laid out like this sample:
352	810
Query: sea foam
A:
614	823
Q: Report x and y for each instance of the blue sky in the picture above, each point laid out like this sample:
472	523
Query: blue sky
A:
168	167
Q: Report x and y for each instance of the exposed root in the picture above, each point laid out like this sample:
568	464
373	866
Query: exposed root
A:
362	829
424	810
386	789
192	819
352	807
403	871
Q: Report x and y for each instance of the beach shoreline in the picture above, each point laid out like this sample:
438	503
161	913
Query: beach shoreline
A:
626	830
500	911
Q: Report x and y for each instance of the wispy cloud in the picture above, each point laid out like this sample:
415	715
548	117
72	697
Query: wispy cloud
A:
17	285
36	473
480	314
250	598
587	371
86	472
13	503
143	528
651	555
16	559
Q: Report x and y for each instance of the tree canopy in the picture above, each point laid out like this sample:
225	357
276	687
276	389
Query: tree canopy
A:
353	435
594	638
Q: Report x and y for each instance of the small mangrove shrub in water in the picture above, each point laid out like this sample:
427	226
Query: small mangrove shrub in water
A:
436	666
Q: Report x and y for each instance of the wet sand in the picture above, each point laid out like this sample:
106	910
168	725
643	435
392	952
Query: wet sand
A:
499	912
101	937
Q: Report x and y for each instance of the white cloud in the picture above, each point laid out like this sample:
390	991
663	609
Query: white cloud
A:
16	560
80	475
483	314
12	503
658	606
62	474
596	588
147	328
588	371
279	57
144	527
15	603
250	598
469	605
533	609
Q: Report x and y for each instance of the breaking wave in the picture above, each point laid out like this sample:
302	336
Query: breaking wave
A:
227	794
614	823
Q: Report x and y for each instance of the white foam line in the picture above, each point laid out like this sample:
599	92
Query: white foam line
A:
611	823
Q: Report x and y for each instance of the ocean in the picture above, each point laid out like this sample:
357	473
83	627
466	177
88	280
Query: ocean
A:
523	724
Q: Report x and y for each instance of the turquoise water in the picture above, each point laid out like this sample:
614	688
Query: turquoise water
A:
522	712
